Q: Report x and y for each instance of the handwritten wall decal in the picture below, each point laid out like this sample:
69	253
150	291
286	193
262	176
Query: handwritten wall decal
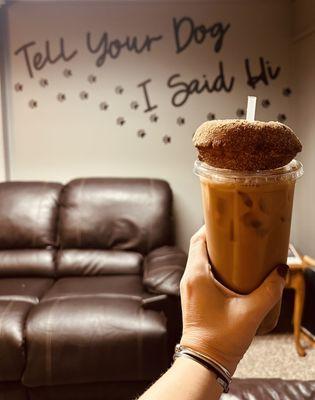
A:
186	32
183	90
106	47
265	73
103	48
144	85
38	60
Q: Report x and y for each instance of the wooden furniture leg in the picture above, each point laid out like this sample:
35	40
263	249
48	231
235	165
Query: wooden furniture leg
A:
298	284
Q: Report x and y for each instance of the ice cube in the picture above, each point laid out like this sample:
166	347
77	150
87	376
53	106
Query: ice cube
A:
246	199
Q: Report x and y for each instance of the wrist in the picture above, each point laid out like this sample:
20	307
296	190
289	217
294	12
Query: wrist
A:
223	376
201	375
227	361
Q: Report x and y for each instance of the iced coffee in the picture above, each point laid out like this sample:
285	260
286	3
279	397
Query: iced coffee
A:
247	206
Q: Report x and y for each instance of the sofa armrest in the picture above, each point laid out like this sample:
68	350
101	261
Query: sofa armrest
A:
163	269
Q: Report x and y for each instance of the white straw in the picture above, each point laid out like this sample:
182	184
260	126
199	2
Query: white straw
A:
251	108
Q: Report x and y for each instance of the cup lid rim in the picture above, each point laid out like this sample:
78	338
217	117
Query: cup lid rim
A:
293	170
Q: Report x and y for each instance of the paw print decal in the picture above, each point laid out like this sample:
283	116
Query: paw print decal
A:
61	97
265	103
104	106
92	78
18	87
84	95
166	139
33	103
119	90
154	118
141	133
180	121
210	116
134	105
43	82
281	118
67	73
120	121
240	112
287	92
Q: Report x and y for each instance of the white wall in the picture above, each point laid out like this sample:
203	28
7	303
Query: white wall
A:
2	157
303	50
62	140
2	170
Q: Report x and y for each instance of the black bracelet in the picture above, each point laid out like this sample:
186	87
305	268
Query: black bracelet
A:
223	376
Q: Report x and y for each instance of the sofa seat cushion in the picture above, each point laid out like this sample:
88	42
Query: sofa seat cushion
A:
23	289
17	297
93	338
12	353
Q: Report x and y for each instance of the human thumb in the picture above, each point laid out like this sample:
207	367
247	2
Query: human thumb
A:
267	295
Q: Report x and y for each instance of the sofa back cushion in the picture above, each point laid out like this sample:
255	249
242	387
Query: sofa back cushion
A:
28	228
28	212
115	213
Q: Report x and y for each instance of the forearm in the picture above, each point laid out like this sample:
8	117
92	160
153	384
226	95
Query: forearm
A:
185	380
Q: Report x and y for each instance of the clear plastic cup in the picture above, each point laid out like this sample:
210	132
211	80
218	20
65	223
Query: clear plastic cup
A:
248	220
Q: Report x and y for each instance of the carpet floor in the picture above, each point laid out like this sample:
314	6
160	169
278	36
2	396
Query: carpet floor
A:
274	356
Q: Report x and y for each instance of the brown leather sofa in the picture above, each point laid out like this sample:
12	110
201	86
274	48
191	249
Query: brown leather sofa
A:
89	283
270	389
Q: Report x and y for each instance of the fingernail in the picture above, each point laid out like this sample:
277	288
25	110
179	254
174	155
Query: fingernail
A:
282	270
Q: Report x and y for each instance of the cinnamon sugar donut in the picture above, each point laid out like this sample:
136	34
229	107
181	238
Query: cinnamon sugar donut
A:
244	145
